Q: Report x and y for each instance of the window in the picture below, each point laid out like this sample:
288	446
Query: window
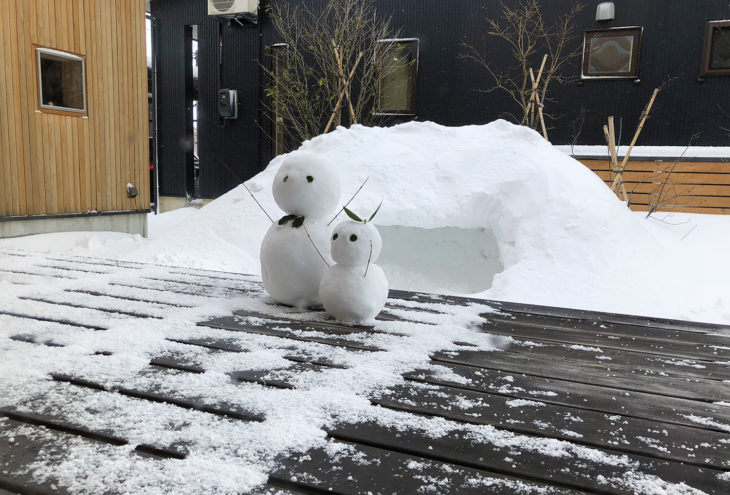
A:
61	82
398	67
717	49
612	53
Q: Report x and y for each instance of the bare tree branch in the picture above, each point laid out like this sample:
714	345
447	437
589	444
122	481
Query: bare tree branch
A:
305	78
529	38
666	191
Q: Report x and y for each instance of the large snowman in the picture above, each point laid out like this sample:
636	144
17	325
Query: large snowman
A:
295	250
355	289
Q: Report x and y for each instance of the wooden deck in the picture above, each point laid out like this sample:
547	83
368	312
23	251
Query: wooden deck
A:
576	402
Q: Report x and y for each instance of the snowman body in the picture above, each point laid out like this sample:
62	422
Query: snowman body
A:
294	252
291	268
355	289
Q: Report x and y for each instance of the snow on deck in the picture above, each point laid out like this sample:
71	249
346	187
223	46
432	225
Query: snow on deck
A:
129	377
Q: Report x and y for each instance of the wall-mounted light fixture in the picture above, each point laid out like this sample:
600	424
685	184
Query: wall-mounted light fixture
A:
132	191
606	11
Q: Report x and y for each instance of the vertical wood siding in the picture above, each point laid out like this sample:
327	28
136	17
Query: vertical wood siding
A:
54	163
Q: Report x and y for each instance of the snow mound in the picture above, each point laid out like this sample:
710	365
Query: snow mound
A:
489	210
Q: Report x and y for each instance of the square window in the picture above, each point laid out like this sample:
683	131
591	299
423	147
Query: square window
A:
398	69
61	81
717	49
612	53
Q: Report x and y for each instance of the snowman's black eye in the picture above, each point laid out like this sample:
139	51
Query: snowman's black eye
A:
286	178
353	238
334	237
310	178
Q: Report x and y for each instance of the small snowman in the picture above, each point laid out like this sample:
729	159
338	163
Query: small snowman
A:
355	289
294	251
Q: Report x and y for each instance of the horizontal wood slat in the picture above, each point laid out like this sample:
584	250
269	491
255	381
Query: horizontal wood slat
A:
464	448
675	177
681	186
655	166
670	198
60	162
590	373
689	445
683	209
589	396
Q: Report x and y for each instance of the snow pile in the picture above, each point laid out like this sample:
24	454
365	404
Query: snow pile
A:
492	211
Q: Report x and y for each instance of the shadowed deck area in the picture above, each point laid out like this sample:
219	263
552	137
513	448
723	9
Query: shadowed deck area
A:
565	401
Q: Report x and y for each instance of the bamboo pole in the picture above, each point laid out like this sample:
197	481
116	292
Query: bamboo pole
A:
539	106
644	115
343	83
534	93
610	134
614	156
340	80
342	93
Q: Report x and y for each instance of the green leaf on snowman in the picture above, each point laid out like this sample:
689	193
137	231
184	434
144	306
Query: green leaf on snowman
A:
352	215
298	222
375	212
285	219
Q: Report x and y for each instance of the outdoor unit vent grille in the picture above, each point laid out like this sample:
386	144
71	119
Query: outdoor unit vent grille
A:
247	9
222	5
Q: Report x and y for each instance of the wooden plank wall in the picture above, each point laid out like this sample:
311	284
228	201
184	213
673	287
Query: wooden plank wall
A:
56	164
684	185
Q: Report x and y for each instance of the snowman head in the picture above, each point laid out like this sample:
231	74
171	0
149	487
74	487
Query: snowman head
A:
307	185
352	241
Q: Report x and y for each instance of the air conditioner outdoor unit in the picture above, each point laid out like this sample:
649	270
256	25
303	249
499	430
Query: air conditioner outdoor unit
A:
246	9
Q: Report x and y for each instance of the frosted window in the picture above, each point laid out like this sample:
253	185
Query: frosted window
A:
612	53
61	80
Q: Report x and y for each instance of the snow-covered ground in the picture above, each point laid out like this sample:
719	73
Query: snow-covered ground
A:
490	211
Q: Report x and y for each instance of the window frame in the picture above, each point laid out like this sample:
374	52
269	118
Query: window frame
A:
74	112
706	70
633	72
412	81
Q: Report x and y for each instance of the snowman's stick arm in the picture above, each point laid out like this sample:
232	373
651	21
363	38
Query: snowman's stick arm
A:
370	257
314	245
348	203
247	189
257	202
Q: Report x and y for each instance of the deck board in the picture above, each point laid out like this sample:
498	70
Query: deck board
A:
592	397
689	445
637	361
573	401
592	373
712	348
348	468
280	330
530	458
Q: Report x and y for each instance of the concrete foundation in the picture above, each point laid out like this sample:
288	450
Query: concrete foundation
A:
132	223
169	203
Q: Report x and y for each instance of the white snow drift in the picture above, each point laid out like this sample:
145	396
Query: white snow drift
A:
493	211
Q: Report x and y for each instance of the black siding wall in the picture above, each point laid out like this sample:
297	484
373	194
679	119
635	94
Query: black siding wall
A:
447	85
237	142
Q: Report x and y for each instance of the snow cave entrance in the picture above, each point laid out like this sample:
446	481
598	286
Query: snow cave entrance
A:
447	259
